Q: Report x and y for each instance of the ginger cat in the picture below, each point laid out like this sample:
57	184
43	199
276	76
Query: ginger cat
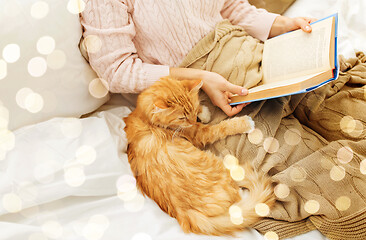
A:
191	185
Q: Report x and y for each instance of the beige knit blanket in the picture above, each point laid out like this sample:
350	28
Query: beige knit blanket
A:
312	145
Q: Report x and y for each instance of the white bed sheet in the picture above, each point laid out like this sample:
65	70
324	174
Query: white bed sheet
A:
62	194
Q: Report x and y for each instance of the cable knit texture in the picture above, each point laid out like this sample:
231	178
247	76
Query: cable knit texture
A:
141	39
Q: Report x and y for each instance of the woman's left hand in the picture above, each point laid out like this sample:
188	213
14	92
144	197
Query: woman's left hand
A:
284	24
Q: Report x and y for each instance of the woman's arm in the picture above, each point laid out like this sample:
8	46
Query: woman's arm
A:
117	61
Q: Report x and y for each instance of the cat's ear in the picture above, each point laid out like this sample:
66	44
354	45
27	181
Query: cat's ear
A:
194	85
160	105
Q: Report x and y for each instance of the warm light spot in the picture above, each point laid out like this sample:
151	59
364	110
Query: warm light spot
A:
3	69
363	166
345	155
74	176
292	137
127	195
359	129
92	44
282	190
348	124
271	145
75	6
37	66
52	229
235	211
44	172
34	102
126	183
141	236
271	236
11	53
46	45
39	10
86	155
96	227
12	203
298	174
56	60
237	173
98	88
343	203
71	127
230	161
21	95
262	209
7	139
256	136
237	221
312	206
135	204
337	173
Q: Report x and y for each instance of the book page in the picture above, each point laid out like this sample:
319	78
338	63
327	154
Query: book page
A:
297	53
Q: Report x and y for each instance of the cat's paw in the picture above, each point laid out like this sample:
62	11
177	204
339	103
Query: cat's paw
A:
250	124
204	115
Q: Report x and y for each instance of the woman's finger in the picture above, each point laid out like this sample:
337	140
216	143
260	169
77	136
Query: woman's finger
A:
235	89
231	111
303	24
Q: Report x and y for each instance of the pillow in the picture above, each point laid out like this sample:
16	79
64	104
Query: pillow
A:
275	6
42	72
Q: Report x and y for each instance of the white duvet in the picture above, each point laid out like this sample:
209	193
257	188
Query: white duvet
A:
70	179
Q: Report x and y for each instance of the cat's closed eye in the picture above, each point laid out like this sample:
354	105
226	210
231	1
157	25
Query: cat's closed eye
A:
182	118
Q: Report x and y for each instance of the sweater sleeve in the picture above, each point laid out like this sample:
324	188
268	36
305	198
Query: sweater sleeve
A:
257	22
109	24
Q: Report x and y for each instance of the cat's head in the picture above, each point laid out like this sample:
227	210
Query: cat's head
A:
171	103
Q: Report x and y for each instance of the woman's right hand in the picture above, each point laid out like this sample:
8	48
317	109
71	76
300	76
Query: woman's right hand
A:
219	90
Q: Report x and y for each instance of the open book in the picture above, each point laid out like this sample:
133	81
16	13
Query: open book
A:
297	62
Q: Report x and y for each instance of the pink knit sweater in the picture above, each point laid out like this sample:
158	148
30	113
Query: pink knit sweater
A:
141	39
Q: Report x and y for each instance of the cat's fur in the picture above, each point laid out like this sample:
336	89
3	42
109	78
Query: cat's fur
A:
191	185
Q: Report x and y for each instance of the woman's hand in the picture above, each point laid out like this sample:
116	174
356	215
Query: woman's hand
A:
219	90
284	24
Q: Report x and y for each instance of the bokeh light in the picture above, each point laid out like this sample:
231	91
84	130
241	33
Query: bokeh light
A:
230	161
74	176
4	117
271	236
136	204
262	209
312	206
337	173
12	202
37	66
21	95
347	124
282	190
86	155
271	145
46	45
298	174
39	10
292	137
343	203
91	44
98	88
345	155
256	136
56	60
76	6
363	166
237	173
34	102
95	227
11	53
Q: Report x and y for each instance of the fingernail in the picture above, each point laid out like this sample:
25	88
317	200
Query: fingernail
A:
307	28
244	91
